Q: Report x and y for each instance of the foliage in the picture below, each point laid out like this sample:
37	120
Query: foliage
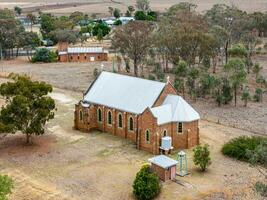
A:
245	97
259	154
181	70
18	10
44	55
65	35
101	27
261	188
142	5
238	50
27	108
258	95
96	73
118	22
256	69
116	13
133	40
146	185
239	147
202	157
6	185
76	17
207	84
237	74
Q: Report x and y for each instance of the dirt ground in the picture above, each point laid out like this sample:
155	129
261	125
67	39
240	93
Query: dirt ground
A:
68	164
101	6
78	76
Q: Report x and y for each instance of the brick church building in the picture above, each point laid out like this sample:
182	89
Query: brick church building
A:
140	110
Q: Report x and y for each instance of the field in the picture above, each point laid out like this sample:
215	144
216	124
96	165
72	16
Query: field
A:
101	6
68	164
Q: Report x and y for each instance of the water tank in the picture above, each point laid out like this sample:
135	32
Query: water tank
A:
166	143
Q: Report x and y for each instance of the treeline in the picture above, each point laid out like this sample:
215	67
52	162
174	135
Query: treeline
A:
13	35
209	55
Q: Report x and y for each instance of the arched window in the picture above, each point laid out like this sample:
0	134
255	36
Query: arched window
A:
99	115
164	133
109	118
180	127
120	120
81	115
131	124
147	136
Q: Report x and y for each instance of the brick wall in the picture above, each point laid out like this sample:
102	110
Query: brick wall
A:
168	89
83	57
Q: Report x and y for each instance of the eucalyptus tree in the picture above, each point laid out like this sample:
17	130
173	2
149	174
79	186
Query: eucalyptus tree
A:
133	40
236	73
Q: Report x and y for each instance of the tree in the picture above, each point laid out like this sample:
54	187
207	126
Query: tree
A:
101	26
47	24
130	11
237	74
245	97
142	5
100	35
202	157
6	185
257	69
31	17
258	95
76	16
44	55
65	35
116	13
140	15
133	40
18	10
110	10
27	108
146	185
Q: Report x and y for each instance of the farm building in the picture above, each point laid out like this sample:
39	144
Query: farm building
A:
164	167
81	54
141	110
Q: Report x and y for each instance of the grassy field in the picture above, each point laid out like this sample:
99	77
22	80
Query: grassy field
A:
101	6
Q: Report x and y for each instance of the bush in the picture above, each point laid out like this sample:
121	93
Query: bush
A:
146	185
261	188
6	185
44	55
202	156
259	155
239	147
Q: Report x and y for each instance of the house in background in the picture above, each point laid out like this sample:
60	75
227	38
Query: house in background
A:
140	110
81	54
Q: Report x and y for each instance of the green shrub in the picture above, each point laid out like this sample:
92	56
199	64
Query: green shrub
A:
259	154
151	77
261	188
6	185
146	185
44	55
238	147
202	157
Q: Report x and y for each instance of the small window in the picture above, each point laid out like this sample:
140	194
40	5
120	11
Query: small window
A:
147	135
81	115
120	120
180	127
109	118
78	57
99	115
71	57
98	57
84	57
131	124
164	133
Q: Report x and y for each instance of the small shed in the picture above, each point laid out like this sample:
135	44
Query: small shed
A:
164	167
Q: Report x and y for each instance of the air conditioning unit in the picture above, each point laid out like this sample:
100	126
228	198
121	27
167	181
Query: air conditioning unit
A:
166	143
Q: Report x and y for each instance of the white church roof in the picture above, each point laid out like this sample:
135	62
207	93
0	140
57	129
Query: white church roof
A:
162	113
124	93
181	110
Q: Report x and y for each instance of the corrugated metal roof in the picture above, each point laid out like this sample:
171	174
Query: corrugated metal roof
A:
123	92
181	110
162	113
85	50
163	161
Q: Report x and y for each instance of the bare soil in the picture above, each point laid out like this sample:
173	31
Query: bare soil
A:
68	164
101	6
78	76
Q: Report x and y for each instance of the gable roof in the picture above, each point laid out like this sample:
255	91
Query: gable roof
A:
126	93
163	161
174	109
